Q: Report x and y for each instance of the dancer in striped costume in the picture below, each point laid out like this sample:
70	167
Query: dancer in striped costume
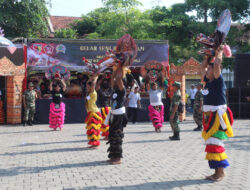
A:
94	117
155	74
217	117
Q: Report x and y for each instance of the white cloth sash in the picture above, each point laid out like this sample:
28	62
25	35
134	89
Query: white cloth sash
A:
220	109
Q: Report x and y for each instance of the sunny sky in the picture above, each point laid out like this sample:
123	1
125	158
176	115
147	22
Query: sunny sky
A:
79	7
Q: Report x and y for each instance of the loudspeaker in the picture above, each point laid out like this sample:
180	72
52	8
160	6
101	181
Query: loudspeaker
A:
241	70
233	95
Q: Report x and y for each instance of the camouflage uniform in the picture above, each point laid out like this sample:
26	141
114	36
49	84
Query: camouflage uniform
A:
175	101
197	113
29	110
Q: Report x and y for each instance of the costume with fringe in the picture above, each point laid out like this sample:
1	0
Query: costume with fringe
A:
105	127
156	108
126	51
56	115
217	124
155	72
57	111
93	120
156	116
118	120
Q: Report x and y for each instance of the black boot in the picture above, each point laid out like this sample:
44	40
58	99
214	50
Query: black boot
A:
24	123
30	123
176	137
199	128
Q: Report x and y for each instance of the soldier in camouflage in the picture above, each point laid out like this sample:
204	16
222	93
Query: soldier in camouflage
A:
29	98
174	114
198	103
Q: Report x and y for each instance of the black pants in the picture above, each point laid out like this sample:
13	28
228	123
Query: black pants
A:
116	125
192	103
132	113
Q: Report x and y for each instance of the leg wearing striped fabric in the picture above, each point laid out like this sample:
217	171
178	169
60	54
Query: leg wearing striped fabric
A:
94	121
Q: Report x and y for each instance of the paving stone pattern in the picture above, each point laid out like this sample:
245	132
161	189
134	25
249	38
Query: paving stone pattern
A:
38	158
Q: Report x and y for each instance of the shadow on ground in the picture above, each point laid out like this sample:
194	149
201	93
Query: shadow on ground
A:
48	143
45	151
27	170
152	185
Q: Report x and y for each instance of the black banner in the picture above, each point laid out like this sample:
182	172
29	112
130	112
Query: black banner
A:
42	54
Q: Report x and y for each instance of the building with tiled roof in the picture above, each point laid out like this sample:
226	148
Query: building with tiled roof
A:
60	22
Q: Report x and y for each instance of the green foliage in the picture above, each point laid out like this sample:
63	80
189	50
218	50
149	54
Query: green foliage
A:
94	35
66	33
112	25
213	8
121	5
26	18
85	26
119	17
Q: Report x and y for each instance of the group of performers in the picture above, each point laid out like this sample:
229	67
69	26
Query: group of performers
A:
107	87
106	113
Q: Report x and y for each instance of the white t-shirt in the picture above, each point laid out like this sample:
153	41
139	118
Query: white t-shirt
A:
155	97
192	93
133	99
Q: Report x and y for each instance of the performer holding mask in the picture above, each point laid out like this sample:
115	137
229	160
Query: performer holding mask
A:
94	117
155	75
217	118
156	108
57	107
118	118
126	51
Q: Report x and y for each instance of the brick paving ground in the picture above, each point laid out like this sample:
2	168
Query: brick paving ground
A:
37	158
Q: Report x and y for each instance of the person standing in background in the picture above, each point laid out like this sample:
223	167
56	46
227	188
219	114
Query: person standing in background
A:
192	93
174	114
198	103
29	103
133	104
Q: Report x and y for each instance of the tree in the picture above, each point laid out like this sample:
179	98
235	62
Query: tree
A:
122	7
26	18
160	23
205	8
85	25
66	33
113	21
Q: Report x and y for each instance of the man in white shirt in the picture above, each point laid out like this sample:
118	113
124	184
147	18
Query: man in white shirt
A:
133	104
192	93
